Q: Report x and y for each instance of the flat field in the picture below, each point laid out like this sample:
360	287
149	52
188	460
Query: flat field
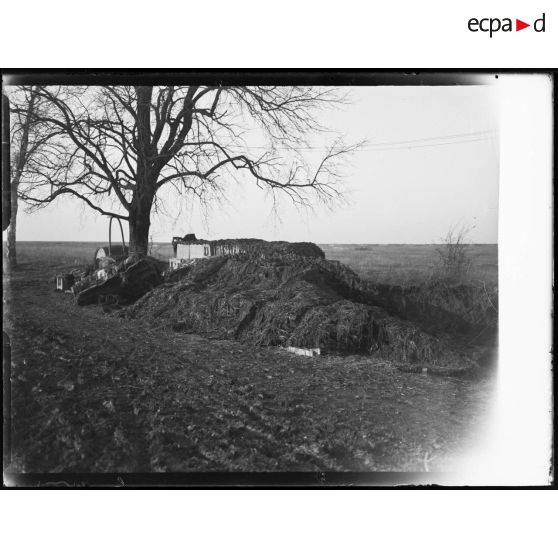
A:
409	264
91	392
397	264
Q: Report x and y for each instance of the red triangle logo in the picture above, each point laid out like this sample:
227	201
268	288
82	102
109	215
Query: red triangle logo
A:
519	25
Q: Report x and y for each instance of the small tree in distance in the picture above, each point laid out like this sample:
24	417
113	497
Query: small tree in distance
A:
454	258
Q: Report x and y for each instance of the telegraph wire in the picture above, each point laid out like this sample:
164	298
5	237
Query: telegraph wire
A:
418	146
433	141
487	133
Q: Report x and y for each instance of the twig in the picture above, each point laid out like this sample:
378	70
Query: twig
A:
487	296
425	461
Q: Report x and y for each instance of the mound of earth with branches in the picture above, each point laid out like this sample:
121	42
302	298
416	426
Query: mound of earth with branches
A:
127	281
290	300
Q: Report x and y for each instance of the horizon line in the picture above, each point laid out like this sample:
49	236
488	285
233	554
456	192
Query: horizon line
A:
318	243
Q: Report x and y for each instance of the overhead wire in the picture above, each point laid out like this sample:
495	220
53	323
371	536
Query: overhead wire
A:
433	141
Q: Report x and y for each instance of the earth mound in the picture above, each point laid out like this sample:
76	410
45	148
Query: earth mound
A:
126	282
289	300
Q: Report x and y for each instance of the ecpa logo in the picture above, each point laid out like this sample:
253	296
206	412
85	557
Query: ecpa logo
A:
494	24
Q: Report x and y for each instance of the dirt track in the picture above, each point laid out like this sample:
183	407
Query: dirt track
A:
94	393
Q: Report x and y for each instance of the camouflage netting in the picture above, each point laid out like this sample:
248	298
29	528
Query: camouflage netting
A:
288	300
258	247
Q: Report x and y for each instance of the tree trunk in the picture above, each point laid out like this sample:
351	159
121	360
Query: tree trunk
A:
11	237
139	224
6	166
140	211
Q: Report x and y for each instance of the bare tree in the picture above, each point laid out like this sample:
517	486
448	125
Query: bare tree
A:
454	258
117	146
28	139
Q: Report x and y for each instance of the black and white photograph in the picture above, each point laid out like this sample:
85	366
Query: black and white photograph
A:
255	277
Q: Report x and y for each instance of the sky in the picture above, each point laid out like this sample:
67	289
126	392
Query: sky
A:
430	164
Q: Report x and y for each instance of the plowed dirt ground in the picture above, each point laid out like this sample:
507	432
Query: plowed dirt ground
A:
92	392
